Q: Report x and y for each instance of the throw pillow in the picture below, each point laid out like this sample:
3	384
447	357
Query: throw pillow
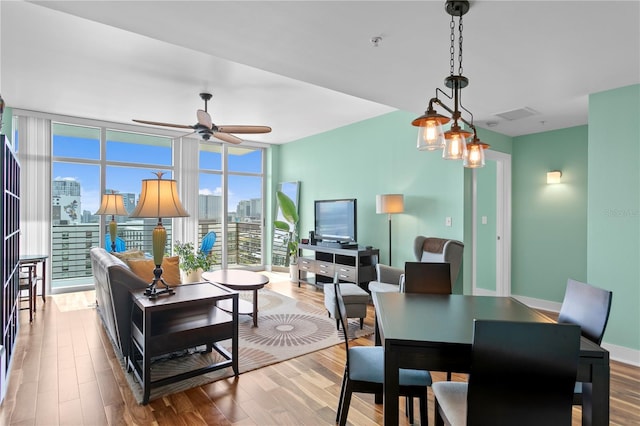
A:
129	254
144	269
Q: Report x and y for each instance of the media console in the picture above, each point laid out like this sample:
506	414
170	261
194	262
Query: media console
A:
355	265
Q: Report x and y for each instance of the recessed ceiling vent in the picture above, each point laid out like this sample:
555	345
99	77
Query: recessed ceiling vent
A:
517	114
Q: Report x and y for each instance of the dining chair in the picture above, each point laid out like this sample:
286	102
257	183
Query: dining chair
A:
588	307
522	373
427	278
364	373
28	281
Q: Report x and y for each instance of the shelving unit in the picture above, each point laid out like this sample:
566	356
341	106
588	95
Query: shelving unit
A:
357	265
10	254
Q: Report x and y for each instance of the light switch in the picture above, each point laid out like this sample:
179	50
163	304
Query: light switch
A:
447	221
484	220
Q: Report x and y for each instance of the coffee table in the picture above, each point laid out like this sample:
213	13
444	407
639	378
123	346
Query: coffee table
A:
239	279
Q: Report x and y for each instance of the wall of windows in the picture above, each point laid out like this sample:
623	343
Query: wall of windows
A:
88	160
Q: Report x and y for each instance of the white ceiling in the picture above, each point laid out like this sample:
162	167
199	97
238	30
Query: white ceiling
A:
305	67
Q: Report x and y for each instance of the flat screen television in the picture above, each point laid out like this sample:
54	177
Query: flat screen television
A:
336	220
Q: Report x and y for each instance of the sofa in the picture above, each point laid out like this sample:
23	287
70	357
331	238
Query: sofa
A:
113	280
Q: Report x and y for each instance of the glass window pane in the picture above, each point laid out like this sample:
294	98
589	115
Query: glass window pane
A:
210	211
135	233
244	229
138	148
75	198
243	159
76	141
210	156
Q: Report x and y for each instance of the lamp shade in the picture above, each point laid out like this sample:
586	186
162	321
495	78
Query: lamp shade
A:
112	204
159	198
389	203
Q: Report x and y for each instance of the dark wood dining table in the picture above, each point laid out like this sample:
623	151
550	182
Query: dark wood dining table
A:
435	332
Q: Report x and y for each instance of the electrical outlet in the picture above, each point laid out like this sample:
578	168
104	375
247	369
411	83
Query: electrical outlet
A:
447	221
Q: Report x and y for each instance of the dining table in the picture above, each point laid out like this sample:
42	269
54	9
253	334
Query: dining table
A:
435	333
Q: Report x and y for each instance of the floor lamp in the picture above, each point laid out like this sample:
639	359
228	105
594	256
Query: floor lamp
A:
112	204
389	204
159	198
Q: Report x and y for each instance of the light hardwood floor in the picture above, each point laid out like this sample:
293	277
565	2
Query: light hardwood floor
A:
65	373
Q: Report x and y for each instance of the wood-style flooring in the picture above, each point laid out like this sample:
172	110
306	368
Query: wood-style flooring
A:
64	372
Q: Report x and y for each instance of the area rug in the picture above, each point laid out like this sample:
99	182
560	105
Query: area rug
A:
287	328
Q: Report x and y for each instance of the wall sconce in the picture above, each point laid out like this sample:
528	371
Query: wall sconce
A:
554	176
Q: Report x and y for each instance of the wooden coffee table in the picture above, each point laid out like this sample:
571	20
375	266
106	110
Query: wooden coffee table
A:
239	279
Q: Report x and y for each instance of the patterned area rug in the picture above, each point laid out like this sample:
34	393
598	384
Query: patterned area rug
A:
286	329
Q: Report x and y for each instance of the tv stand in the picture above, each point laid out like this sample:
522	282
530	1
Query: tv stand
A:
355	265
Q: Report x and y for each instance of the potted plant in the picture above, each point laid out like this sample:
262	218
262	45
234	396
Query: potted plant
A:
192	263
289	224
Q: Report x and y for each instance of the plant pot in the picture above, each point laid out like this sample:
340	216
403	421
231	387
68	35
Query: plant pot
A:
191	276
293	272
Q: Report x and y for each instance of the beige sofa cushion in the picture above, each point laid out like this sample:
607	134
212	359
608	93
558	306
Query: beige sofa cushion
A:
170	269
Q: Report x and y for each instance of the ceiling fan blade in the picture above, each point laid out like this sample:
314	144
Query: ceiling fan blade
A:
226	137
244	129
156	123
204	119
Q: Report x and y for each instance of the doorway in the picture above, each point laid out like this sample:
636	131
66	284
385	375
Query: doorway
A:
491	248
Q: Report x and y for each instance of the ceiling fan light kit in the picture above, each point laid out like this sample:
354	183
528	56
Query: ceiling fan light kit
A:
431	136
206	128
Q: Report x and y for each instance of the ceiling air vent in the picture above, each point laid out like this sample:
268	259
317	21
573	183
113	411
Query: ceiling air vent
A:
517	114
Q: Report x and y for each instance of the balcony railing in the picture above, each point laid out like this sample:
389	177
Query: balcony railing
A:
71	245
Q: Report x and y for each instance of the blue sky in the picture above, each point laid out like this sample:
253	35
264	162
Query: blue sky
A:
129	179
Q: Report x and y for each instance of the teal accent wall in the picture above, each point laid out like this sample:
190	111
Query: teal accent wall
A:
7	122
549	222
497	141
379	156
613	240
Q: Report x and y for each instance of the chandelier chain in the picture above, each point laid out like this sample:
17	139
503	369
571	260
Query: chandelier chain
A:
452	49
460	46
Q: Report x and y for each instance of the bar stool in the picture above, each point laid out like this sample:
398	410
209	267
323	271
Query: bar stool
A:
28	281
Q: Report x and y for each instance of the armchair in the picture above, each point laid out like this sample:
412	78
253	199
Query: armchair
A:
426	249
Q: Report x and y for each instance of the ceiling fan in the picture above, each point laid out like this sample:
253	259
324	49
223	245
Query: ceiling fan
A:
205	127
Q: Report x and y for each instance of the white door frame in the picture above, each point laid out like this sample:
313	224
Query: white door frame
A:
503	224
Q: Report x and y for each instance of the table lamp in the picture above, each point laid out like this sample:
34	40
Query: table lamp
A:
159	198
390	204
112	204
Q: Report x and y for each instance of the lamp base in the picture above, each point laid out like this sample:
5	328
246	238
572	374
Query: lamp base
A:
152	291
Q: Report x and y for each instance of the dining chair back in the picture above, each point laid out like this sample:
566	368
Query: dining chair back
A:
427	278
588	307
507	358
364	372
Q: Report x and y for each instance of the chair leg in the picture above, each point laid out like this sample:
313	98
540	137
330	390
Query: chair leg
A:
344	406
361	323
338	324
341	398
448	376
437	418
409	408
424	416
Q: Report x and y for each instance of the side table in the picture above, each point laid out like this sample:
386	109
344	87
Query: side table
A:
187	319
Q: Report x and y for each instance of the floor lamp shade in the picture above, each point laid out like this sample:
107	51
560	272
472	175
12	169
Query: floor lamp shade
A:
389	204
159	199
112	204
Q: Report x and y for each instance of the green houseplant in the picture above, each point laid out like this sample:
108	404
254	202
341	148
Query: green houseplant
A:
289	224
193	263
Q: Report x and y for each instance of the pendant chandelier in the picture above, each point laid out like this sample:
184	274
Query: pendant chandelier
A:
453	142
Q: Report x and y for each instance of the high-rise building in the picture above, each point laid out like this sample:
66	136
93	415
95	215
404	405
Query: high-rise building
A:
66	202
210	207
